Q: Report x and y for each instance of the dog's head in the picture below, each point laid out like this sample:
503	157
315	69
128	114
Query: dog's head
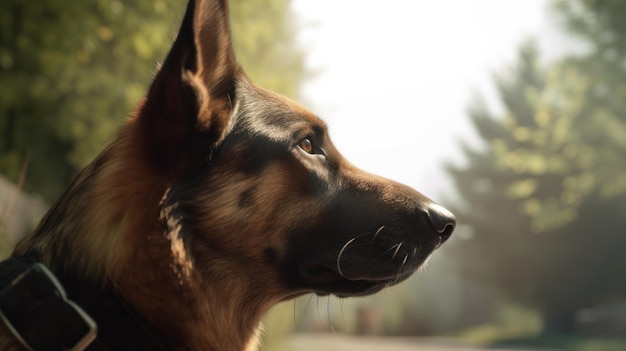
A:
256	185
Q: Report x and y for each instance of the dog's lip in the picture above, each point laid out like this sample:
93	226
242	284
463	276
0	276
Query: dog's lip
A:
317	273
323	280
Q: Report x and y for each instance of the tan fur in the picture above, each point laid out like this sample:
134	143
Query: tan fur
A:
126	248
7	341
98	201
200	247
111	222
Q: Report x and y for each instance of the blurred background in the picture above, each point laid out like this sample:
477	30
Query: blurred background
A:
511	114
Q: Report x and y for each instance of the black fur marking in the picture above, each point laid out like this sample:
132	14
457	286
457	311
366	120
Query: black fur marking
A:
255	152
271	254
246	198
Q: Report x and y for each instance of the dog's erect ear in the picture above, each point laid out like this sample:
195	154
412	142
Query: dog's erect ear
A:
192	92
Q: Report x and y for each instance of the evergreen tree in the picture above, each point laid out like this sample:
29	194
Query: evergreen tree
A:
545	195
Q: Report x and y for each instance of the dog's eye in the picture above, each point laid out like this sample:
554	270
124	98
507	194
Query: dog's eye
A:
310	146
306	145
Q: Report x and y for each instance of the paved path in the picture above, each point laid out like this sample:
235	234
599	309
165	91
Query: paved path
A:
337	342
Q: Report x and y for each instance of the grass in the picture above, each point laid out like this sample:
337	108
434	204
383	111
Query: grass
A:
513	322
569	343
499	336
520	327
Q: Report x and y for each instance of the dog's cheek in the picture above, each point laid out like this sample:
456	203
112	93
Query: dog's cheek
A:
252	216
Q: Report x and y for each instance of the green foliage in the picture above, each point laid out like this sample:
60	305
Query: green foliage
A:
71	70
265	44
597	22
511	322
569	150
546	193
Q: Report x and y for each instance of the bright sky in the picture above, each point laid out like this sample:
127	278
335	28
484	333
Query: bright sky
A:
395	77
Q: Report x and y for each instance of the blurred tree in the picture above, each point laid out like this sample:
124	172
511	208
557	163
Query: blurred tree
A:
545	195
264	36
600	24
72	70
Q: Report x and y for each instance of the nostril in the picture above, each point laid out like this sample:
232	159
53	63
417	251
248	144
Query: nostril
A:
442	221
447	232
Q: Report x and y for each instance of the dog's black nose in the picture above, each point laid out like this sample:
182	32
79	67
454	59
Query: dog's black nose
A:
442	220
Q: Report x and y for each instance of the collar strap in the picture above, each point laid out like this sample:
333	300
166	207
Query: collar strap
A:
75	315
35	303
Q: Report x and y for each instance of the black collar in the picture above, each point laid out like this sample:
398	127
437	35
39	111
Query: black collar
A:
118	328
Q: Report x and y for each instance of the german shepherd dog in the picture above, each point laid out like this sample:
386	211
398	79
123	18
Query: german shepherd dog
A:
216	200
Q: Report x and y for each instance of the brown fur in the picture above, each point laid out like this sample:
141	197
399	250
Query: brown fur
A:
204	211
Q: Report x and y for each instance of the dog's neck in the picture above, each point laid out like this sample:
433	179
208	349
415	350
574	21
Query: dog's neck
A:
198	312
133	253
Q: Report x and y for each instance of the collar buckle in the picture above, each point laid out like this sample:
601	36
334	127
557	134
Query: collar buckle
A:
36	309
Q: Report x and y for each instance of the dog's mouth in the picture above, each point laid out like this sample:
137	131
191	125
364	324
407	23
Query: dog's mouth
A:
363	264
313	273
325	279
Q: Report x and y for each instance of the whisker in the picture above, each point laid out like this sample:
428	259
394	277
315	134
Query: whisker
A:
295	320
307	303
306	306
357	237
343	316
423	266
378	232
341	253
330	321
389	249
396	252
365	234
317	302
406	257
375	235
